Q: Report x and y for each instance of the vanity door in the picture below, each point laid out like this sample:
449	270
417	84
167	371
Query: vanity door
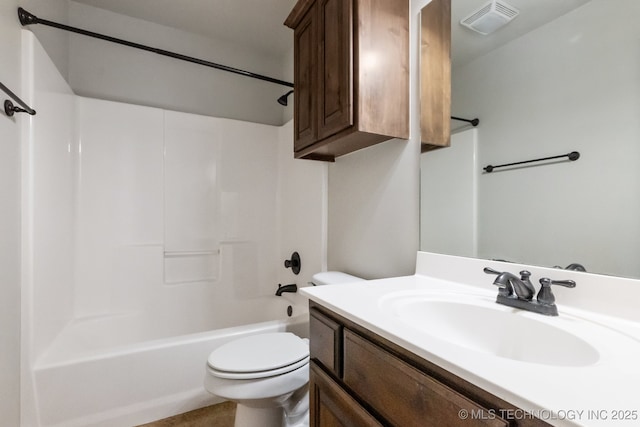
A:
331	406
404	395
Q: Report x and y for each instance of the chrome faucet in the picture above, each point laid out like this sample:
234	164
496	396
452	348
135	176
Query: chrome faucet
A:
518	291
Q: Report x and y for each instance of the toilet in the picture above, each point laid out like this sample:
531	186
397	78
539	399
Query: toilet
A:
267	375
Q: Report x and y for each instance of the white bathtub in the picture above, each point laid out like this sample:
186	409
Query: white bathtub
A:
99	381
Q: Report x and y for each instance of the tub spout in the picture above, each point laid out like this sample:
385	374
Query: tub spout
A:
286	288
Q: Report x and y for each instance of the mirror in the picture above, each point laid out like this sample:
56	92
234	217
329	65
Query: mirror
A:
569	80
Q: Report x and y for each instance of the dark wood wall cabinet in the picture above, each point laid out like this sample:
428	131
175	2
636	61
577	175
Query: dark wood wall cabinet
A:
435	75
361	379
351	75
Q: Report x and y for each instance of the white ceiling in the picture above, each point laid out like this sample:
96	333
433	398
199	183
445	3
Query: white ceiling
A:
258	23
467	45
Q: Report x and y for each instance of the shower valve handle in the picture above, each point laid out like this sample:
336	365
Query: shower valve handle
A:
293	263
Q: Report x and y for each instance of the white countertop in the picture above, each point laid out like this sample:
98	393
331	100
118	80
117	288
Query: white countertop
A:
598	394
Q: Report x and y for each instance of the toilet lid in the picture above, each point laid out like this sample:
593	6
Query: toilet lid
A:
259	353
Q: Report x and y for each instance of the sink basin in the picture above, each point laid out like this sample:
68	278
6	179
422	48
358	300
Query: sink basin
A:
481	325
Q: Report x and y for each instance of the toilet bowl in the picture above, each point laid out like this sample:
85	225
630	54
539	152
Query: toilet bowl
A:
267	376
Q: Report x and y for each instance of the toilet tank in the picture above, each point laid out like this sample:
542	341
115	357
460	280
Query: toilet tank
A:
333	278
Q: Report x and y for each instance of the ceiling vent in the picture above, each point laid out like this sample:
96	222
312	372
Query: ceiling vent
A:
490	17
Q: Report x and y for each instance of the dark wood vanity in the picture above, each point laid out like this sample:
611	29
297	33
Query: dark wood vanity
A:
358	378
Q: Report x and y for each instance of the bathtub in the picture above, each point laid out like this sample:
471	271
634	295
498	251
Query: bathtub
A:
105	381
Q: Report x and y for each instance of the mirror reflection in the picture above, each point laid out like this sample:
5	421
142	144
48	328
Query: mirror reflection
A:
551	81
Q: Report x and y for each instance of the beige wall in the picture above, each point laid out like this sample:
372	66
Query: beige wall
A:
9	220
374	196
373	211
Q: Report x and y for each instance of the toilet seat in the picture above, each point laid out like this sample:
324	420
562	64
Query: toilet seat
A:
259	356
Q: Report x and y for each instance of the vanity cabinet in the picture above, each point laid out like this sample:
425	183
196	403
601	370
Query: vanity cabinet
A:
361	379
351	75
332	405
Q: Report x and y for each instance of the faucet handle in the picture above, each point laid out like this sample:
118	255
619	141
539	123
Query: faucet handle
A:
489	270
545	296
524	277
546	282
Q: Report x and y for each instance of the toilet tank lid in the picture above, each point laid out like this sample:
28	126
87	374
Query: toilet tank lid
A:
333	277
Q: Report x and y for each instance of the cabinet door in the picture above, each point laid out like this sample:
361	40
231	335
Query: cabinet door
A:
325	347
335	77
435	75
405	396
330	406
305	53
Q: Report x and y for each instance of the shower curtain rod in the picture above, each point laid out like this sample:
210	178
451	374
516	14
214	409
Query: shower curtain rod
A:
27	18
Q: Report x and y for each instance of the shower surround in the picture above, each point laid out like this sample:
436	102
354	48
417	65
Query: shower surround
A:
149	238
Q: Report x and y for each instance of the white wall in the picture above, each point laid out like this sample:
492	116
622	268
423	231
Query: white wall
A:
570	85
11	74
105	70
119	205
9	220
54	41
302	212
448	207
374	195
48	177
48	212
373	211
177	216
